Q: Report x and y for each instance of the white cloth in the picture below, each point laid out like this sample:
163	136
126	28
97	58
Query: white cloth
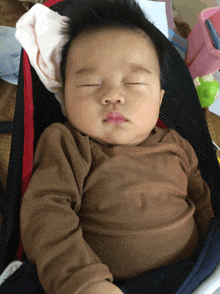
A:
38	32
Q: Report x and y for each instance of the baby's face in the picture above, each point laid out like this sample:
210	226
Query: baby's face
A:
113	86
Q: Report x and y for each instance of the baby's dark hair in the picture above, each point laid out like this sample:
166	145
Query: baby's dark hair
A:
86	15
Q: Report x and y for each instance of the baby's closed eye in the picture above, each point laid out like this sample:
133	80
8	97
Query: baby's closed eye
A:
126	84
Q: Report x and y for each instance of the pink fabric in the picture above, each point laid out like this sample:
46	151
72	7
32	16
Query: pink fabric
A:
38	32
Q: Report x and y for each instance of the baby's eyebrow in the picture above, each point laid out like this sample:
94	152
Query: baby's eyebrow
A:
132	66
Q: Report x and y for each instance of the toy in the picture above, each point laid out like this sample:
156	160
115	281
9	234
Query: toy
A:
207	89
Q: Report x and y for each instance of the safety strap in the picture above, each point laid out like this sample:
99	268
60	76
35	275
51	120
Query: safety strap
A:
6	127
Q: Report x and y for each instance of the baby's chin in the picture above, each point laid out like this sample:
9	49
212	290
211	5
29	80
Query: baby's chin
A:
105	143
116	142
118	137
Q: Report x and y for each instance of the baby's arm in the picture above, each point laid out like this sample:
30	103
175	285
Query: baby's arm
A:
103	287
51	232
199	193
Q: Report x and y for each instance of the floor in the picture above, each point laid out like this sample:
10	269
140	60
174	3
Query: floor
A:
189	9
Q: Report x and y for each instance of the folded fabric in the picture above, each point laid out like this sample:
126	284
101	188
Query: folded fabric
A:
38	32
10	52
10	269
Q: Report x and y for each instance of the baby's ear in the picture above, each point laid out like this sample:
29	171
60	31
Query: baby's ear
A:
162	93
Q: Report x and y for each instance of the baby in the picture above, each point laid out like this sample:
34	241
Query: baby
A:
112	195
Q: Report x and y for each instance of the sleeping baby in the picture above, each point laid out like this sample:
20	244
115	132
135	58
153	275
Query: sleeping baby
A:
112	195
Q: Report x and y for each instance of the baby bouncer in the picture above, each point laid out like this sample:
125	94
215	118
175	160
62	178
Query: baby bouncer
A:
37	108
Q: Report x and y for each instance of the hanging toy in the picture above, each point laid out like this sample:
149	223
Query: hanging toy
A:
207	89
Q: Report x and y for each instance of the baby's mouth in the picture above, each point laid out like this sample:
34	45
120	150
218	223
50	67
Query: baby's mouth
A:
115	120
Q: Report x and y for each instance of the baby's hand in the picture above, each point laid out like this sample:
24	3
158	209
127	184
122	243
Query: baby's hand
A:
103	287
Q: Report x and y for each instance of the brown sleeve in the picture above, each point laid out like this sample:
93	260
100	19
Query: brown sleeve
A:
50	229
199	193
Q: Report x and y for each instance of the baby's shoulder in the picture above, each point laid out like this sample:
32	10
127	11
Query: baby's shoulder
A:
169	135
173	137
62	129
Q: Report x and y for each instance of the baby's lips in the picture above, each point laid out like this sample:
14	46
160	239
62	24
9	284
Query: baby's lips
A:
115	115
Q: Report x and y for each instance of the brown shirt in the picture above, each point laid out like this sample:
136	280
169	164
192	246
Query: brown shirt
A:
94	212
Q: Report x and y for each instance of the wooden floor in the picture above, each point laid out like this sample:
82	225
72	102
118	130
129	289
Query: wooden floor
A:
213	122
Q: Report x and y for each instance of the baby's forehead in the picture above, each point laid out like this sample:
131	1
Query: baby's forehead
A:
105	33
117	48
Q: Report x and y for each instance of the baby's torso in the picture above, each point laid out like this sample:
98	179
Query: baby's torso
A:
135	213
